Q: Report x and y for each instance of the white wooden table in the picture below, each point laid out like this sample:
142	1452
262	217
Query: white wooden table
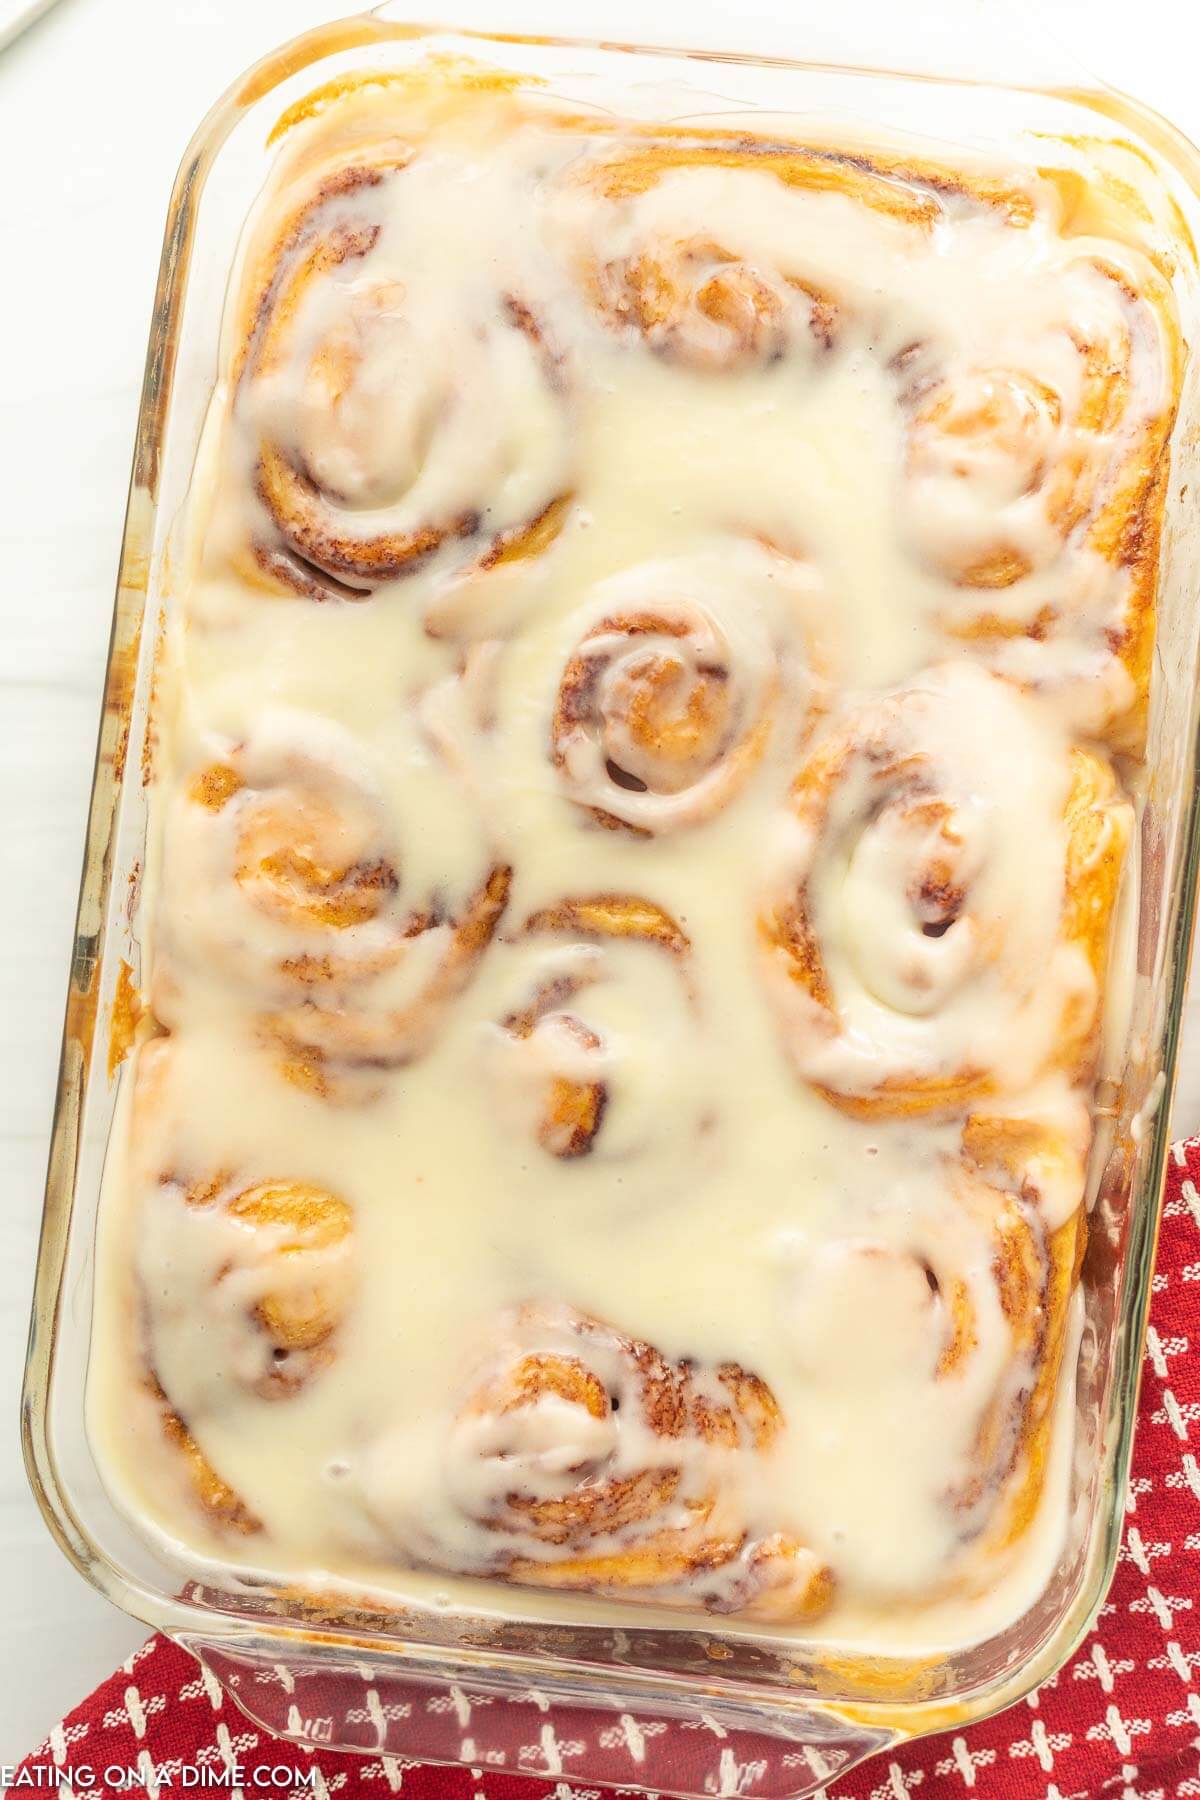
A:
97	102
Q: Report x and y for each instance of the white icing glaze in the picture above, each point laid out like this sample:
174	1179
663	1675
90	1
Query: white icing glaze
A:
746	491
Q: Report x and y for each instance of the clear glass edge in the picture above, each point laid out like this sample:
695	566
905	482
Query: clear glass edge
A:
188	1623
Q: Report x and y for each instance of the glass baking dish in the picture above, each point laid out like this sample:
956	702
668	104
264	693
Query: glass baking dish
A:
770	1717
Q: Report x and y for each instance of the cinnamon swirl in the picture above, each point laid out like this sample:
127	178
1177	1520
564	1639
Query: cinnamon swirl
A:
666	706
1036	1269
971	1301
1035	486
942	930
290	837
719	300
240	1288
581	1458
261	1277
470	454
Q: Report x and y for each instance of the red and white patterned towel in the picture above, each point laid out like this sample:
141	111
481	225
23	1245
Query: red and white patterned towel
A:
1122	1719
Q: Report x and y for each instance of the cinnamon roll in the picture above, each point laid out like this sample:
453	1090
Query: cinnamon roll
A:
966	1278
242	1290
267	1283
666	704
679	258
567	1068
1035	1265
941	929
383	417
695	301
581	1458
310	907
221	1296
1035	485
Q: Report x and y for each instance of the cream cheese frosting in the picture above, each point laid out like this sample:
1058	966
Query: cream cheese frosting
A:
643	777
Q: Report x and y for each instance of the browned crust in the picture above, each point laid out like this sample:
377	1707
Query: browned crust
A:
612	916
